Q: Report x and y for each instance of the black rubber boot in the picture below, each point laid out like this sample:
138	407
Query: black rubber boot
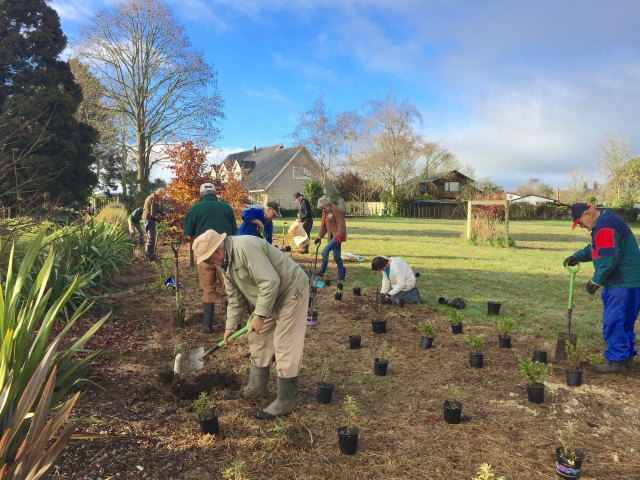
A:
207	321
258	381
342	273
285	402
629	363
609	367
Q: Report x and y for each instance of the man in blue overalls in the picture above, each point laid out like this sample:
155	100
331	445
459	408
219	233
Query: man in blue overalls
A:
616	258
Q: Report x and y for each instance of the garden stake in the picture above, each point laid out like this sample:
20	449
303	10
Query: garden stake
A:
567	337
180	312
193	361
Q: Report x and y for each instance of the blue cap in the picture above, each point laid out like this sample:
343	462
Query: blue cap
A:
577	209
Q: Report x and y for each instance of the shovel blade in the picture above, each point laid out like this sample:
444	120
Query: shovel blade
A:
563	339
187	363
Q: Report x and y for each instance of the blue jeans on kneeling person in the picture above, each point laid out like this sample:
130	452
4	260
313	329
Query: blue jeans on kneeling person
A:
410	296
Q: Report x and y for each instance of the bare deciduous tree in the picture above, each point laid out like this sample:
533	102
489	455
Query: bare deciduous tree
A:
155	82
317	131
614	154
391	154
577	184
350	128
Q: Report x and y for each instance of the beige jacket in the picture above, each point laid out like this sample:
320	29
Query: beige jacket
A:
150	208
266	277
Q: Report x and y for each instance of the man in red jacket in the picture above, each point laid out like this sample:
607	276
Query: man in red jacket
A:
333	224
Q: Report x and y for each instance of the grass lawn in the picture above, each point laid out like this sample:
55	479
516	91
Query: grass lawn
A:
529	280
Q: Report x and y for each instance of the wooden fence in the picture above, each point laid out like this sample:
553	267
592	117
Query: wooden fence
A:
98	203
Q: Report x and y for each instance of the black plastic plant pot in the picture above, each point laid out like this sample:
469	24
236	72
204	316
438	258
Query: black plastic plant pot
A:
493	308
380	368
504	342
327	283
442	301
453	303
426	342
567	468
325	390
379	326
539	356
210	425
456	328
453	413
357	291
400	302
338	296
536	394
574	378
476	360
348	442
340	286
354	342
460	305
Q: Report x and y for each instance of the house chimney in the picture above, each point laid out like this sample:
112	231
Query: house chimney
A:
255	150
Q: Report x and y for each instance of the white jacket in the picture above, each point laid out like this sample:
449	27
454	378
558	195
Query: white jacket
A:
401	277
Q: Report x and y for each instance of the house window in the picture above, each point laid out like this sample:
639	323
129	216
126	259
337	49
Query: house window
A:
301	173
451	186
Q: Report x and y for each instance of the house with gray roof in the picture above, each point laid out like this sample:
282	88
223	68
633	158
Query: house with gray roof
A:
271	173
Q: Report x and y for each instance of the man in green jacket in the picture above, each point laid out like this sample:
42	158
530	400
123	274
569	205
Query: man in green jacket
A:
209	214
264	280
616	260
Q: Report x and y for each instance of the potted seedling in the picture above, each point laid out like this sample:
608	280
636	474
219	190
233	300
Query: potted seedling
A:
476	358
381	363
456	321
534	373
348	435
568	458
453	406
338	295
505	325
355	337
325	389
340	286
427	330
575	353
377	324
357	291
485	473
207	417
235	471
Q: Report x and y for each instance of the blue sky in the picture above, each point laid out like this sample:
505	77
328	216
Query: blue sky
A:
518	89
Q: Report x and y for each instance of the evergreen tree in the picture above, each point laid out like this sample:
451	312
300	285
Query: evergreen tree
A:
45	152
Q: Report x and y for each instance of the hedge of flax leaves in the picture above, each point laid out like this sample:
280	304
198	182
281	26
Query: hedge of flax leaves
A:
25	323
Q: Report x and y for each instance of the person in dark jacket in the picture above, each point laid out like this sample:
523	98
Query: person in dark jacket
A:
304	216
259	218
209	214
152	213
134	226
616	259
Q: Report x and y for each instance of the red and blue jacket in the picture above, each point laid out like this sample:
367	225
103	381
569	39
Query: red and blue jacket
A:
614	252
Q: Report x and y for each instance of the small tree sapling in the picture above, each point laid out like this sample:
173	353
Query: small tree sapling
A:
455	394
575	353
324	372
201	406
355	331
485	473
383	352
568	441
534	373
505	325
475	343
376	305
350	409
235	471
597	359
455	315
427	329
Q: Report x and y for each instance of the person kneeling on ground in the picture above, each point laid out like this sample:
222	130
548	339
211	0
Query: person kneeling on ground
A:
276	289
398	280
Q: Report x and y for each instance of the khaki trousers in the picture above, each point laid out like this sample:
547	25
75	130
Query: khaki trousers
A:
210	276
283	336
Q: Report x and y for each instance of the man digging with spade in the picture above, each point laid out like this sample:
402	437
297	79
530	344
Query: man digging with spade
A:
273	286
616	259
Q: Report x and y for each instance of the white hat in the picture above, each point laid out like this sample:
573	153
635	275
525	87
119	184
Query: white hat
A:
207	188
206	244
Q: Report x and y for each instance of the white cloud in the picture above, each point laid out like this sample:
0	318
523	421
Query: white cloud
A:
268	93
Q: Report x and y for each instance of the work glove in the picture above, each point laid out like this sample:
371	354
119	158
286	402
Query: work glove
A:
592	288
317	241
570	261
338	239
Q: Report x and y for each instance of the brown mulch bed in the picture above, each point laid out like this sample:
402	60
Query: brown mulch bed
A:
153	433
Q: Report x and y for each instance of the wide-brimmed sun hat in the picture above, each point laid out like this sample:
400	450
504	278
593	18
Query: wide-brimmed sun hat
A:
206	244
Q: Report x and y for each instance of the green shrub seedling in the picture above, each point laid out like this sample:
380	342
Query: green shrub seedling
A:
505	325
575	353
356	330
235	471
533	372
455	394
485	473
324	372
350	409
568	441
201	406
178	349
383	352
475	343
455	315
427	329
597	359
280	429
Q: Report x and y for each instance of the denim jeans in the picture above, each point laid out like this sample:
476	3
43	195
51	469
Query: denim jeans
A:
336	248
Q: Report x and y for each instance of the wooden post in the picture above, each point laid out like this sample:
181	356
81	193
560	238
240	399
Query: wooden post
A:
468	219
506	221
